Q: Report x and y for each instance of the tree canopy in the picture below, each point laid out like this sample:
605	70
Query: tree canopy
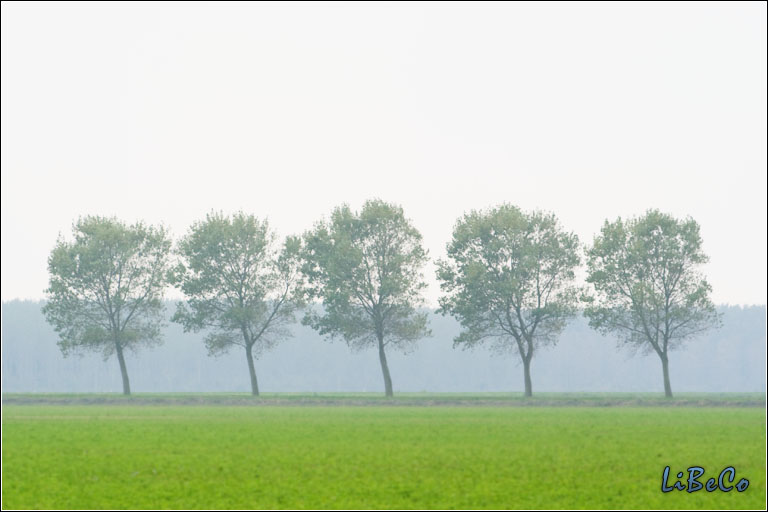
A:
648	289
366	268
508	279
106	287
241	288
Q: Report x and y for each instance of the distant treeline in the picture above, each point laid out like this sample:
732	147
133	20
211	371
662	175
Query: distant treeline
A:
730	359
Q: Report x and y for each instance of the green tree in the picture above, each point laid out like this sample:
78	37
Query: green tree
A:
106	288
508	280
648	291
240	287
366	268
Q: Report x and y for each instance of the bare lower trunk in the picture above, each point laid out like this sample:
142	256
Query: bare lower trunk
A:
123	369
252	370
385	369
665	367
528	386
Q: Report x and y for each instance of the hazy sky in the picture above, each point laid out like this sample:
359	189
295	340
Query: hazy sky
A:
163	113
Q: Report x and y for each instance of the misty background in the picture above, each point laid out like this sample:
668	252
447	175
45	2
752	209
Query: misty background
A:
163	112
730	359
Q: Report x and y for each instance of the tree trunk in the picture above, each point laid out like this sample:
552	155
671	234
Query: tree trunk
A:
527	367
123	369
385	369
665	367
252	370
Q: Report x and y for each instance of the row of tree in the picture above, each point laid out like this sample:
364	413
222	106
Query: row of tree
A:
509	278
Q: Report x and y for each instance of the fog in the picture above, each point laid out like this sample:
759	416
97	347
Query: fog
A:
165	112
731	359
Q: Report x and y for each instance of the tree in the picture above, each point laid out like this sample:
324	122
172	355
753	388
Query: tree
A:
366	268
509	280
106	288
239	286
648	291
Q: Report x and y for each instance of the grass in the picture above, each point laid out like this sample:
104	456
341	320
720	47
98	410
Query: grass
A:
375	457
400	399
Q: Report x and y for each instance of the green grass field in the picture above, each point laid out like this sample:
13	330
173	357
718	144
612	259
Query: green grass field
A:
395	456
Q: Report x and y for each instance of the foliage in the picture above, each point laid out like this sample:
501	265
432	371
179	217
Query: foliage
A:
366	268
106	287
649	292
509	279
240	288
236	281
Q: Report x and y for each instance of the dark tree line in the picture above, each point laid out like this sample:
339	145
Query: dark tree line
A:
509	277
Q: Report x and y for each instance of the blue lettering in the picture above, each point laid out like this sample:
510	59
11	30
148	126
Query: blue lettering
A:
730	470
664	486
694	472
742	485
724	482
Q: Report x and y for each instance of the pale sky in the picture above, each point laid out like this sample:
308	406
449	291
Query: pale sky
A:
164	113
